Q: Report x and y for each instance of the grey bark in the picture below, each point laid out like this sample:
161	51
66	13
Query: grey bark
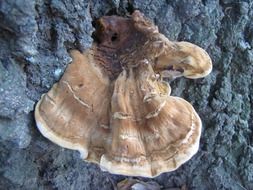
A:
35	36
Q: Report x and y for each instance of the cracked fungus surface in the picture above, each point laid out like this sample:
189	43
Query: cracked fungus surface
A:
113	106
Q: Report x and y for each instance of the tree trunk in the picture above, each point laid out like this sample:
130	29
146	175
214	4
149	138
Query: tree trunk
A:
35	36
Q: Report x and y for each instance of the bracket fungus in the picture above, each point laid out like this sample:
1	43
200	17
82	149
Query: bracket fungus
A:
113	105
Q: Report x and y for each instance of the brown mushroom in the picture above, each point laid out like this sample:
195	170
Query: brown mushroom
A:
111	105
184	59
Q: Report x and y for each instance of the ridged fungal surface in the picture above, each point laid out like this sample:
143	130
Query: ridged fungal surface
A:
113	105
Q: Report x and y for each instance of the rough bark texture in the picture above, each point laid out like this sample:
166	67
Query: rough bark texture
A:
34	39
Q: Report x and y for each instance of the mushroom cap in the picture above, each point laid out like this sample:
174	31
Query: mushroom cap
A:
111	106
188	59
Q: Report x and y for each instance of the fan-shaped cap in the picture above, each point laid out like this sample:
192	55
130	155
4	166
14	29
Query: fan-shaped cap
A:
112	106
